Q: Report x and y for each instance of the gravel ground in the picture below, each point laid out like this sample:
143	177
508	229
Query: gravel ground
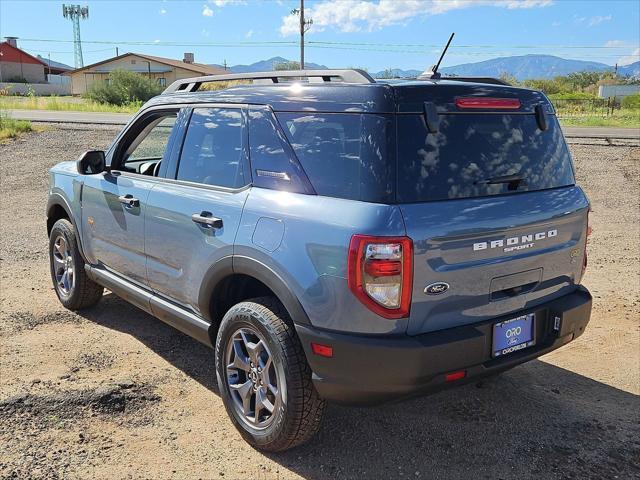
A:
113	393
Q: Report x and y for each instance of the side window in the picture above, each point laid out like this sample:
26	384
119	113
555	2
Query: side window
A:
148	148
212	151
273	163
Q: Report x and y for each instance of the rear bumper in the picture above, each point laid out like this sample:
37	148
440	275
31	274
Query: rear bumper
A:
366	370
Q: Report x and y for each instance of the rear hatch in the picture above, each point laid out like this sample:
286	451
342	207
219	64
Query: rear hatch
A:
486	187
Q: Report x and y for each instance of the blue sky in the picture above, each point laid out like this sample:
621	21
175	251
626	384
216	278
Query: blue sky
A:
365	33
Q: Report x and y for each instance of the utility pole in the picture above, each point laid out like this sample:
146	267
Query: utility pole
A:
305	25
75	13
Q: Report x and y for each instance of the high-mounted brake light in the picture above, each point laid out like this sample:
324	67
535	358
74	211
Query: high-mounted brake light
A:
380	272
488	103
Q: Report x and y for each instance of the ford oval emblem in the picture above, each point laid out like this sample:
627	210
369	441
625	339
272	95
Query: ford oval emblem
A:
436	288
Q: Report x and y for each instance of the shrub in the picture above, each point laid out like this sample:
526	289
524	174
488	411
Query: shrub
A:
550	86
632	101
124	87
10	128
572	96
288	65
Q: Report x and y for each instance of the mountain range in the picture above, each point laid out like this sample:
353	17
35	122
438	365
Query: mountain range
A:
535	66
522	67
270	64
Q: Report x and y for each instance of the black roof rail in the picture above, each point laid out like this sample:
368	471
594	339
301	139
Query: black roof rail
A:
269	78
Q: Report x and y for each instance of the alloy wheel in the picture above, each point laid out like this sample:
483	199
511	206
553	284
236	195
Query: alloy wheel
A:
255	385
63	268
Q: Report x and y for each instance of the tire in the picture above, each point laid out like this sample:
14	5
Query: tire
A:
297	410
78	291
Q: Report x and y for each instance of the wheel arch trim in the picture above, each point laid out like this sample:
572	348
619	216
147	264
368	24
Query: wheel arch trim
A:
251	267
57	200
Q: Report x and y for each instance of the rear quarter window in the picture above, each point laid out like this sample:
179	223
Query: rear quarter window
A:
346	155
273	162
470	149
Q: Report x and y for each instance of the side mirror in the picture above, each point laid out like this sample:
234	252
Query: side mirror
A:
90	162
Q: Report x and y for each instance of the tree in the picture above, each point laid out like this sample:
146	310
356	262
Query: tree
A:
288	65
123	87
509	78
584	79
388	73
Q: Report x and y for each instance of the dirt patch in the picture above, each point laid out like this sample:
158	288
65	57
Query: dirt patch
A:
95	360
69	405
55	413
25	320
113	393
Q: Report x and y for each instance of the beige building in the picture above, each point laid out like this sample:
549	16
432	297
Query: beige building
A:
163	70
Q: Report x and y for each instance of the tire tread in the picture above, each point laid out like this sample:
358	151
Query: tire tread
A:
308	408
86	292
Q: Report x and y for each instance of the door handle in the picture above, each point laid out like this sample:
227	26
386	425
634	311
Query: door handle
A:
207	218
129	200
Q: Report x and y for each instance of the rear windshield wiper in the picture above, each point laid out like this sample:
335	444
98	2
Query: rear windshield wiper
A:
513	181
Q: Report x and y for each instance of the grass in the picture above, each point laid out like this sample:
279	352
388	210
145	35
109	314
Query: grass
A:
65	104
628	119
11	128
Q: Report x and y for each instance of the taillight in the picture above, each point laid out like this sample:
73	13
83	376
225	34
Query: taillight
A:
588	234
381	273
488	103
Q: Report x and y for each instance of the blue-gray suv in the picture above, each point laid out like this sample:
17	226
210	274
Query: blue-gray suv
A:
332	237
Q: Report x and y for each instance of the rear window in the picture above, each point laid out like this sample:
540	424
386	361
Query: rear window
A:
344	155
469	150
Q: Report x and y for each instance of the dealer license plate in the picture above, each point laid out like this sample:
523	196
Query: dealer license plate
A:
513	335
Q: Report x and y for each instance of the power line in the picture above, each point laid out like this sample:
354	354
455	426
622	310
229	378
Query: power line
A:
317	42
71	51
625	47
414	49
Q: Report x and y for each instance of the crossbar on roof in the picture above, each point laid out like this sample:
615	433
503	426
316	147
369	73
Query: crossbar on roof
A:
312	76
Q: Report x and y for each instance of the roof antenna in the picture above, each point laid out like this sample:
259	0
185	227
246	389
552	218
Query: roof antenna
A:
433	74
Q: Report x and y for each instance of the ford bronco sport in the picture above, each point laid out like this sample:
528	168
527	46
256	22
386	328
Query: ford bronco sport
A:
332	237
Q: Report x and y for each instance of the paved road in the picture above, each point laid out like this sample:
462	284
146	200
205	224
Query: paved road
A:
601	132
122	118
55	116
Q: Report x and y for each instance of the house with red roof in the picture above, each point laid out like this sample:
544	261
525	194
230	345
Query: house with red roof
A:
16	65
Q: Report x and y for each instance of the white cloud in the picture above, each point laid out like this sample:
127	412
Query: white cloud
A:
224	3
204	32
249	34
207	11
615	43
162	11
593	21
556	24
629	59
354	15
597	20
